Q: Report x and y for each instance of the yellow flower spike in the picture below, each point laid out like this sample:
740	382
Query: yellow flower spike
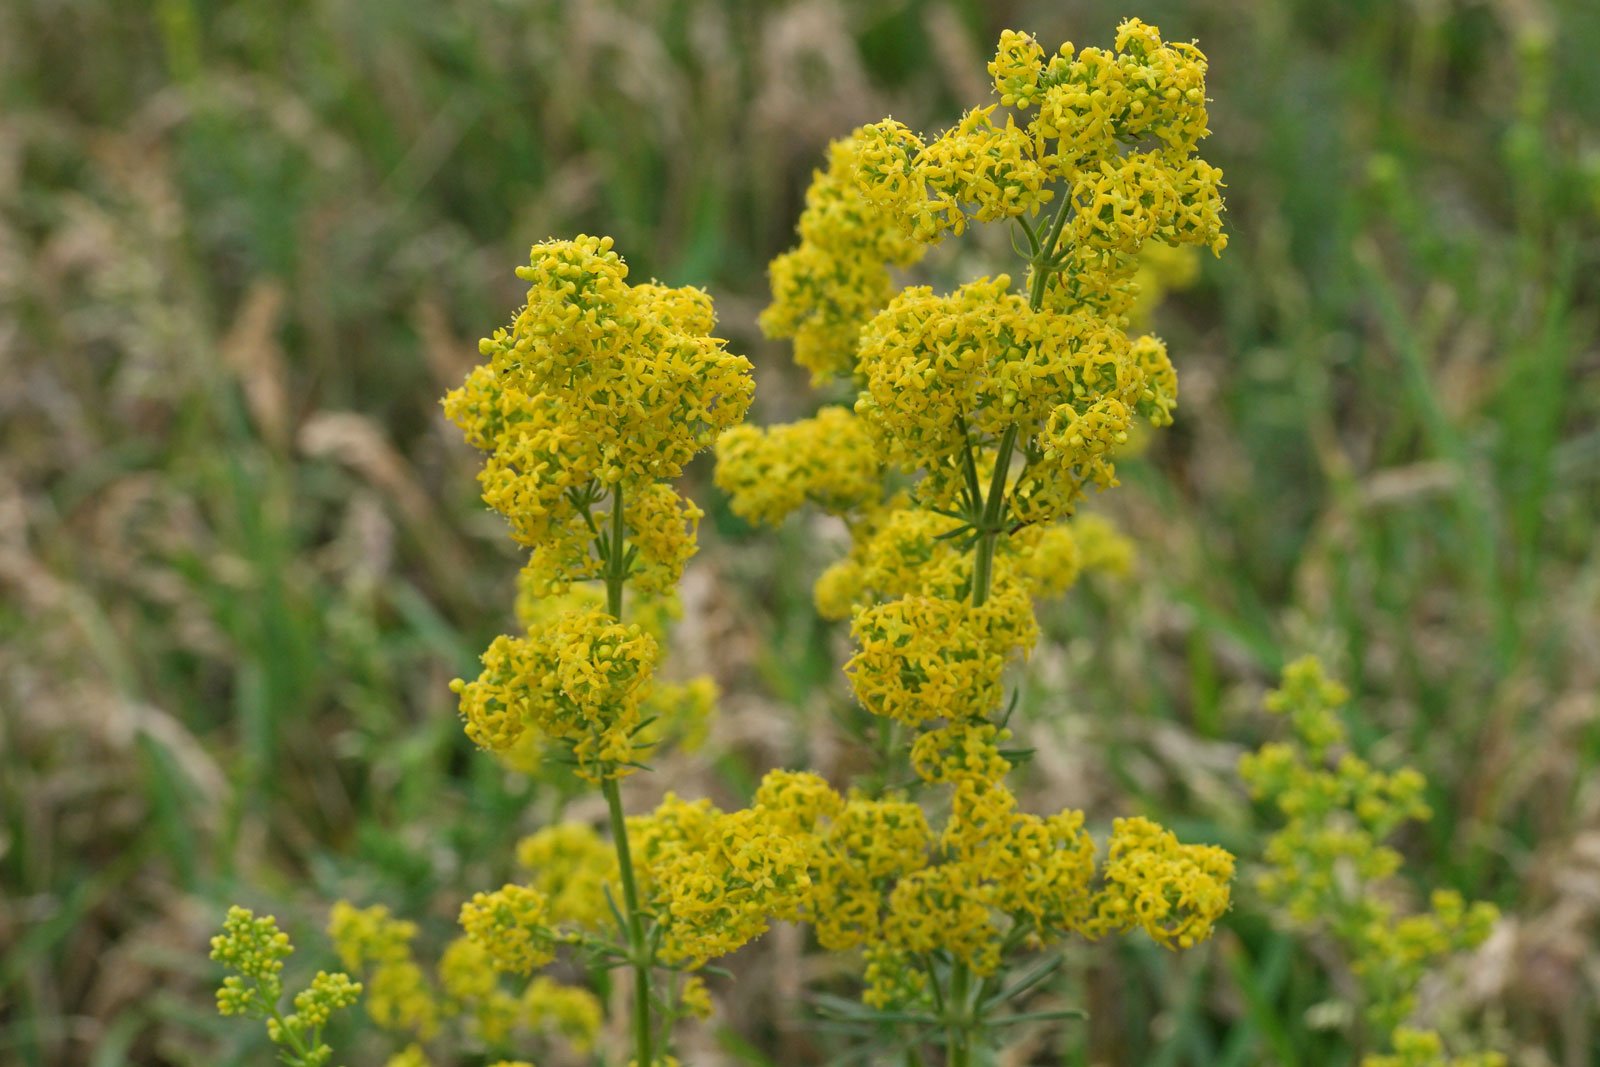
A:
256	949
596	380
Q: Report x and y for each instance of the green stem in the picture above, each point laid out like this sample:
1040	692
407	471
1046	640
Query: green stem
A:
1044	264
616	575
636	939
616	561
960	1051
291	1036
990	527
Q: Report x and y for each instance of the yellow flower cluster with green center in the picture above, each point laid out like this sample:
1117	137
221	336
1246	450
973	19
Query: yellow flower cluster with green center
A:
1174	892
715	880
944	373
1328	866
880	878
513	925
580	679
254	948
828	460
922	658
838	276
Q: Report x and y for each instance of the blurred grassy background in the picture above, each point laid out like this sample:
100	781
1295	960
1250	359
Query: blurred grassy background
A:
245	246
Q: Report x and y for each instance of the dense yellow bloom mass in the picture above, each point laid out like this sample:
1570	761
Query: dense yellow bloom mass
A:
580	679
1173	892
513	925
923	658
1004	404
619	380
838	276
715	880
828	460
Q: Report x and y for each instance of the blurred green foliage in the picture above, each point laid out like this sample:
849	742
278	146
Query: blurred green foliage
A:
244	246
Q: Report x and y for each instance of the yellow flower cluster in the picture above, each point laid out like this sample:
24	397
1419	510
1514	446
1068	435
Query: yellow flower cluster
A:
372	942
838	276
569	1012
595	378
926	657
695	998
254	948
1089	109
580	679
827	460
513	924
315	1004
571	866
993	170
882	879
505	933
1327	866
945	374
716	879
1173	892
